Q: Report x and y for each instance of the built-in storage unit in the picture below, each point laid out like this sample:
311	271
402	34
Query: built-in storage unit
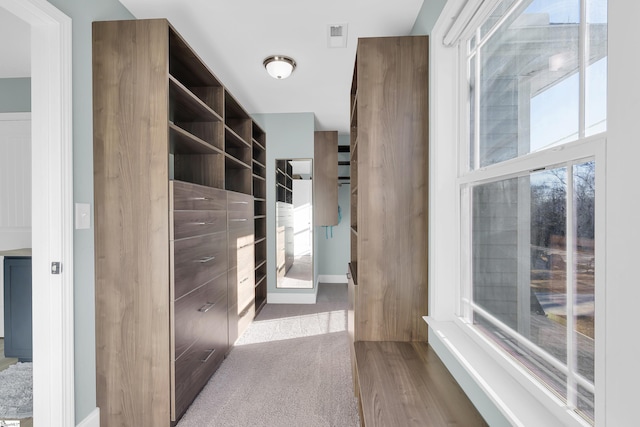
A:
18	331
325	178
174	177
389	147
389	171
259	140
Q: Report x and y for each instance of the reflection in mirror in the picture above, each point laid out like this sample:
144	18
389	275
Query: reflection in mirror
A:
294	223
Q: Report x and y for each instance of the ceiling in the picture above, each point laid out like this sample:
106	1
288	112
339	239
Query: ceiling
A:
16	58
234	37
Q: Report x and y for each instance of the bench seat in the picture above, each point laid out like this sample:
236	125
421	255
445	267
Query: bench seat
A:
406	384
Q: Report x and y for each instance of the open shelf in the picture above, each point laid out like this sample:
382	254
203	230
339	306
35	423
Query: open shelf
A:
236	146
185	106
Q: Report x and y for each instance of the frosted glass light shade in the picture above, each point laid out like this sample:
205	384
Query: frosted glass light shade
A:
279	67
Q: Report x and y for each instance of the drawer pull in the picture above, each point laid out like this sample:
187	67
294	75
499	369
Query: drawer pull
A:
208	306
244	280
349	276
239	203
202	223
202	198
206	359
244	312
238	219
205	259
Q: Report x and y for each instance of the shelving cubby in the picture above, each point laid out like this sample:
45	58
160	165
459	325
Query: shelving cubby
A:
259	174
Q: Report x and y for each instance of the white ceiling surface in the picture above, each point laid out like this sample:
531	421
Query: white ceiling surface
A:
15	46
234	36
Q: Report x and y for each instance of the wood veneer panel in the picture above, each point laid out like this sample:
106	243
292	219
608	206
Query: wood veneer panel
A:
325	177
406	384
392	149
131	222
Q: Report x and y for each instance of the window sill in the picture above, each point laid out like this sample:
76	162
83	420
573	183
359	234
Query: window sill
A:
520	400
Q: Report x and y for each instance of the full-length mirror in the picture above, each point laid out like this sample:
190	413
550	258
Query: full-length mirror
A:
294	223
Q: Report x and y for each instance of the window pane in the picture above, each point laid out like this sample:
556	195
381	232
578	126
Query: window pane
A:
520	272
529	84
495	16
520	266
549	261
584	255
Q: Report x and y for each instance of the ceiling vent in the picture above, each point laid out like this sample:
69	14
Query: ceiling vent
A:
337	35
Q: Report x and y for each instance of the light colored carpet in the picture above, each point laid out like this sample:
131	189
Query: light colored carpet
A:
290	368
16	391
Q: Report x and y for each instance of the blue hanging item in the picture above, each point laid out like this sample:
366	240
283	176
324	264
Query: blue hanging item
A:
329	228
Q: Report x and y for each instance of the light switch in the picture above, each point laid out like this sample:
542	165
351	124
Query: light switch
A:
83	216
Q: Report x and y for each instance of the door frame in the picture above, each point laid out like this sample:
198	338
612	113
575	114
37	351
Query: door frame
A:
52	210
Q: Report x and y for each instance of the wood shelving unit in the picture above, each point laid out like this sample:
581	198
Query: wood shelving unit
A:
259	175
389	126
177	163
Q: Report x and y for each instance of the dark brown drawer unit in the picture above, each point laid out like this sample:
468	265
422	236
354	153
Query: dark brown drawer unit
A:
199	255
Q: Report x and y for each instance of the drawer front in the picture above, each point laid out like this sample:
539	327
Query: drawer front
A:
240	212
194	368
195	312
241	246
246	289
196	223
238	202
240	221
197	260
187	196
245	280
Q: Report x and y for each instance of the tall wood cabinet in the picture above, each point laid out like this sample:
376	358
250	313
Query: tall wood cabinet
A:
325	178
389	171
176	163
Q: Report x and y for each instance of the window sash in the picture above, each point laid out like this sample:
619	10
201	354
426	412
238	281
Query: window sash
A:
568	154
474	53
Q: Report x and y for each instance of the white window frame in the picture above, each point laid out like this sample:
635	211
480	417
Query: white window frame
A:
501	381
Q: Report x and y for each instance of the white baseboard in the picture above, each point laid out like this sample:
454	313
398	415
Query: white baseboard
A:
92	420
291	298
332	278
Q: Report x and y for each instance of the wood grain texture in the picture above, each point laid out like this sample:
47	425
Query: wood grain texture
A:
406	384
161	171
197	260
131	222
392	150
325	177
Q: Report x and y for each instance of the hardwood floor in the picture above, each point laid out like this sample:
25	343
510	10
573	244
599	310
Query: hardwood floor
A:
5	362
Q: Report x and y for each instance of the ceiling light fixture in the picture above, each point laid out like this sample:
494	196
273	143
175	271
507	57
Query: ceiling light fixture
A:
279	66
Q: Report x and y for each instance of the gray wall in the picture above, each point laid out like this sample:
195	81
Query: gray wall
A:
82	13
289	136
427	17
15	95
334	252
